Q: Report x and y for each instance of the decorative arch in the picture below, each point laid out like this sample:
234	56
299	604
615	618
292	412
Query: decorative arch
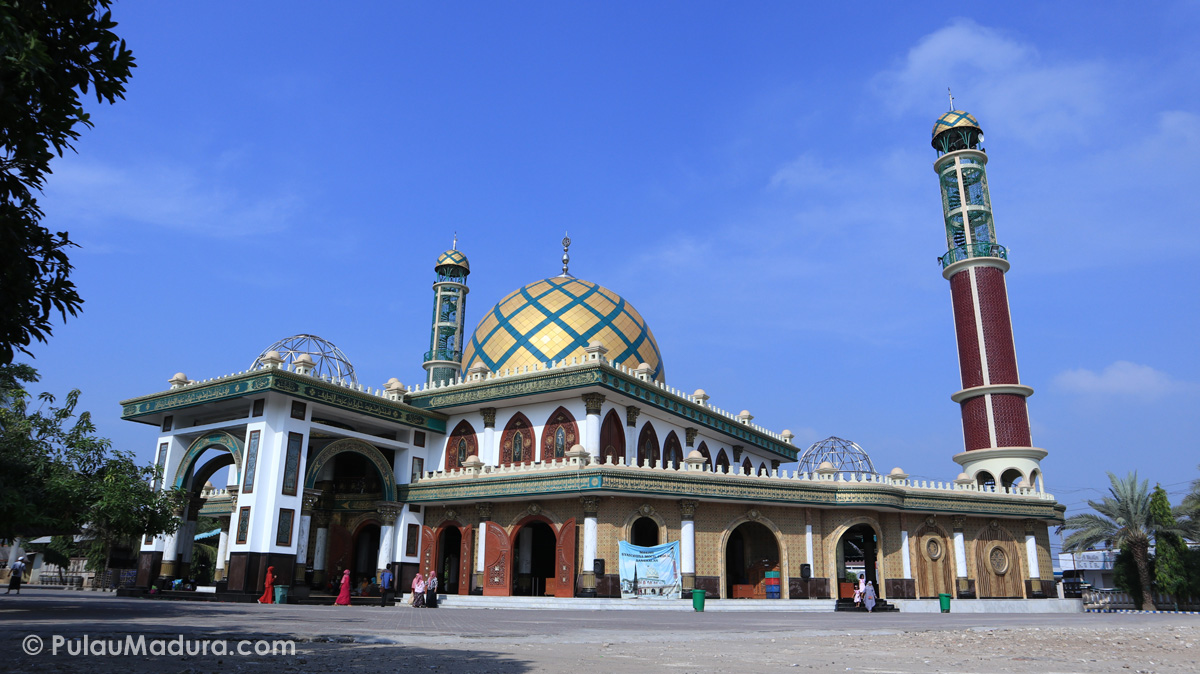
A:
214	440
753	515
1013	478
646	510
703	449
935	561
762	469
370	452
534	510
559	435
672	455
985	479
201	475
722	463
518	441
460	444
998	563
647	446
747	467
832	550
612	439
1035	480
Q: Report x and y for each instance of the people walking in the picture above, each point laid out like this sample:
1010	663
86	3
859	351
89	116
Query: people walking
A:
869	597
418	588
16	576
385	586
859	589
431	589
343	598
268	595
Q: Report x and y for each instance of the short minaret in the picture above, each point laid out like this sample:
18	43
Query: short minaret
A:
443	360
995	419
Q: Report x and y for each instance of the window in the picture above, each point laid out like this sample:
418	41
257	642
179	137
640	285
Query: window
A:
168	422
518	451
256	410
160	463
243	524
414	539
462	451
419	438
283	536
291	470
299	409
251	463
560	443
418	468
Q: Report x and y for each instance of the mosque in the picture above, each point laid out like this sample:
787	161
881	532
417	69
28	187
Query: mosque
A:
550	433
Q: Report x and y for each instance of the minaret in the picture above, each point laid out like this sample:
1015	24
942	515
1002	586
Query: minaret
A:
995	419
443	360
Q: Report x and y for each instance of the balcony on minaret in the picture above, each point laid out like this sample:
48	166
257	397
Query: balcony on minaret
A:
976	249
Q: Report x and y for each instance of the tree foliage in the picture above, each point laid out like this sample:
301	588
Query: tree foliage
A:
1170	552
58	477
52	54
1123	519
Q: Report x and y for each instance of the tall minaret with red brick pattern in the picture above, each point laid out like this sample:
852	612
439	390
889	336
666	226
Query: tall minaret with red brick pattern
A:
999	448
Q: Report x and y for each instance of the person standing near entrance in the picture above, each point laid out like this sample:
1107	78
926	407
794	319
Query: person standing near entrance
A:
17	575
431	589
859	589
385	587
268	595
343	598
418	591
869	597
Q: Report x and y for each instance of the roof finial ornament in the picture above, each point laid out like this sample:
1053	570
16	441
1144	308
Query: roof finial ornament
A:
566	243
454	246
951	95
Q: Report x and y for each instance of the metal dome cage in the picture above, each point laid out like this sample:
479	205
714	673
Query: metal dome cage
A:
846	457
328	359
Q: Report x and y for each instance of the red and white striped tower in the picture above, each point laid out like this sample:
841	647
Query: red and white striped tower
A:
999	447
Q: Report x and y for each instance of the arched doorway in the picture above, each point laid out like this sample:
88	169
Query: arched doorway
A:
533	556
985	479
448	567
934	568
364	552
460	445
751	552
857	552
747	467
644	532
612	439
1011	478
559	435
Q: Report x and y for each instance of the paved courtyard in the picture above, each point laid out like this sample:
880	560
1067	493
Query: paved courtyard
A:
371	639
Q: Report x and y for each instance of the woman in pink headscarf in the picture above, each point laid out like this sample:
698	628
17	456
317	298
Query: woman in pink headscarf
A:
418	588
343	598
268	595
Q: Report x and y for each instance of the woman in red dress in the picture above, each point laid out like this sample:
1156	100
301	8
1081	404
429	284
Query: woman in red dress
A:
268	596
343	598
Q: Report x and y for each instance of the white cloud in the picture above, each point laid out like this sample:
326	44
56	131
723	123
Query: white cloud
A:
87	195
1120	378
1024	94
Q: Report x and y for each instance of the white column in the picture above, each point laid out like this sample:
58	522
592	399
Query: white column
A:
808	546
589	543
593	405
187	542
171	550
319	549
687	545
905	555
222	550
487	452
1031	556
960	554
302	540
385	545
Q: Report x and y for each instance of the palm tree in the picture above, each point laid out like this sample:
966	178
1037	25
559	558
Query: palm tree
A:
1188	513
1124	519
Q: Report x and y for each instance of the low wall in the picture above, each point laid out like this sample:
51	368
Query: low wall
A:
990	605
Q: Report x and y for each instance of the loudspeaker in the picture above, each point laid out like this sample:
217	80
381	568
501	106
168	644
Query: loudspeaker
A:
598	567
806	571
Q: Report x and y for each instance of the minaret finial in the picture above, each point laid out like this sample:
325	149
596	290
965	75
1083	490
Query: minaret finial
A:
566	242
454	246
951	95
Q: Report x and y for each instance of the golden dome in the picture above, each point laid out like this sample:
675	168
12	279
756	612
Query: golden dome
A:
553	320
954	119
453	257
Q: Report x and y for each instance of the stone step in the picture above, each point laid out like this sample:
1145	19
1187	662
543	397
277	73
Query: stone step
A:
580	604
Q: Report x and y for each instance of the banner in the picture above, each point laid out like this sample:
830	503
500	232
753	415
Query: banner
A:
649	573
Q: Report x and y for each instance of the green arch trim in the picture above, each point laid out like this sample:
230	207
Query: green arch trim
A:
367	450
214	440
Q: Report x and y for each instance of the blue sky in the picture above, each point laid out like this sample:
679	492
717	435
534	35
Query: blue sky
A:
754	177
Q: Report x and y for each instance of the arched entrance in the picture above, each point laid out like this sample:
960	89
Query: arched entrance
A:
449	548
612	439
644	532
364	553
533	556
751	552
858	552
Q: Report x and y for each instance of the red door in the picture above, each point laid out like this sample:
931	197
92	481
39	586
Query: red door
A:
497	571
564	557
427	550
464	561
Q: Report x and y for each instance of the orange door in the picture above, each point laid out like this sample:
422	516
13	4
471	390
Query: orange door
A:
497	571
564	557
464	561
427	550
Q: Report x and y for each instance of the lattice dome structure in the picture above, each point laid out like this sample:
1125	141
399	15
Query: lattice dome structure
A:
845	456
328	359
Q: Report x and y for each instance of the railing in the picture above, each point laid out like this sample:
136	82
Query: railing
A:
977	249
1116	600
443	354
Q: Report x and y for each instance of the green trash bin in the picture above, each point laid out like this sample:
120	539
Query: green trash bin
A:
281	594
698	600
945	601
